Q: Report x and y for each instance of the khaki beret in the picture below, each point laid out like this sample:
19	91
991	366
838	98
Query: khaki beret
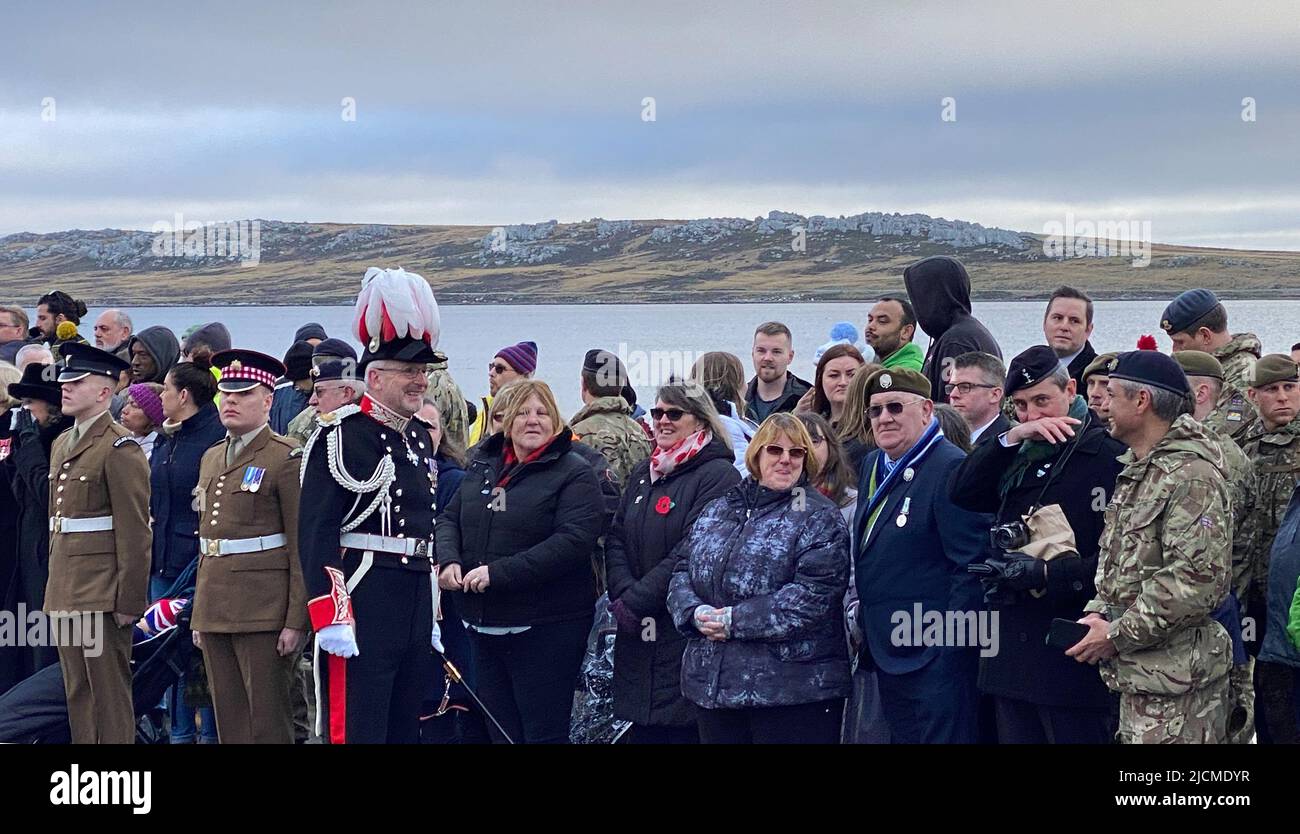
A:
1276	367
887	380
1198	363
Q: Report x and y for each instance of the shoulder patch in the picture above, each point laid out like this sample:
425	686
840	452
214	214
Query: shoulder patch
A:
123	440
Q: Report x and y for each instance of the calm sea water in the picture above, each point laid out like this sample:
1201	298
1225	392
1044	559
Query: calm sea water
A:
653	337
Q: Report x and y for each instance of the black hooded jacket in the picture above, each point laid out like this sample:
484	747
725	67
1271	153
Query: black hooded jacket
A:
940	292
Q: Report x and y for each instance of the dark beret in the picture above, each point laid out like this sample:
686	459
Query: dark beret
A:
1187	309
1150	368
1030	368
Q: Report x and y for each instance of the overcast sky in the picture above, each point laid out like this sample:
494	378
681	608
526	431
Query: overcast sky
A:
489	113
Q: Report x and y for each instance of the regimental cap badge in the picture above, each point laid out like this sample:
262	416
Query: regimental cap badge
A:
886	381
1114	363
1028	376
315	371
235	365
1166	326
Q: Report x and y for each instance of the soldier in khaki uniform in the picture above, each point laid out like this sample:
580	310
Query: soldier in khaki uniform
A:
100	544
250	605
1274	448
1205	375
1165	566
605	420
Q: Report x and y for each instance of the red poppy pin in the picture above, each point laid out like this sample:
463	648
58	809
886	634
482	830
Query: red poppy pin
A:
663	505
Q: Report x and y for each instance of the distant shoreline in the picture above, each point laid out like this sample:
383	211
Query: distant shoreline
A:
553	302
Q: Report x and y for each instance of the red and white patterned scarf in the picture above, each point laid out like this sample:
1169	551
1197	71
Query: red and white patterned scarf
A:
664	461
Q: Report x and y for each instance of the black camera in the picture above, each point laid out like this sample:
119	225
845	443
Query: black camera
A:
1010	536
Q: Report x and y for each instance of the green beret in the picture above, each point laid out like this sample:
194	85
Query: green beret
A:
1100	365
888	380
1198	363
1276	367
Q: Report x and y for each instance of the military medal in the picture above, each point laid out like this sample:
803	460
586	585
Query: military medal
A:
252	479
901	521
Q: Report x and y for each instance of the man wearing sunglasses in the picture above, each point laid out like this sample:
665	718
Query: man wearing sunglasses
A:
511	363
911	546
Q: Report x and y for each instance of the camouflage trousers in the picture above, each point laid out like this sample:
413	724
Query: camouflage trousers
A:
1197	717
1241	703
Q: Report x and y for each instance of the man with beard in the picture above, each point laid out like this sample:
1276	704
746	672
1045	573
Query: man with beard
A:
153	352
57	309
891	326
365	535
773	387
112	332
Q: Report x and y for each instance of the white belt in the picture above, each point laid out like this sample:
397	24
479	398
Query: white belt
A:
225	547
384	544
60	524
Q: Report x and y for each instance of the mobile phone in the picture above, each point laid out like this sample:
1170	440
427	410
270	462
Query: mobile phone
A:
1065	633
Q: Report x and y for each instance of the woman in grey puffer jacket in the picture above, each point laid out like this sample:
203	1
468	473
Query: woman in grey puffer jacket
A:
757	590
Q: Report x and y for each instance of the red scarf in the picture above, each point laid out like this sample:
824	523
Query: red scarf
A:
510	464
664	461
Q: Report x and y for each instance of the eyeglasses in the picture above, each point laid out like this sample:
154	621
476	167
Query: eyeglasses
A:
409	373
895	409
965	387
796	453
497	367
673	414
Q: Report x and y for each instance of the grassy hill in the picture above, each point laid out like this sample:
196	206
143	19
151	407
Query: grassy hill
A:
599	261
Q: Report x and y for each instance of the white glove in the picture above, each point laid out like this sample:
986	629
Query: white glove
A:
338	640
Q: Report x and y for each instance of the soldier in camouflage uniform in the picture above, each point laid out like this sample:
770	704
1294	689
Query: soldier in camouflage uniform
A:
1274	448
1195	320
1165	564
1232	414
446	394
605	422
1205	375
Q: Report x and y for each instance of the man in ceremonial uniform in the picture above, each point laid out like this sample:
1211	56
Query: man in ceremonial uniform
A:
250	606
99	546
366	534
1165	565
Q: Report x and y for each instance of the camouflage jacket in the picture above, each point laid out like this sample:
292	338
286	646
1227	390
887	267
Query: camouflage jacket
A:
1276	456
1238	359
1165	566
606	425
1240	475
1233	416
447	395
303	426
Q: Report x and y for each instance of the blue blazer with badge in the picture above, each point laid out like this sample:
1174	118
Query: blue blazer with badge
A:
924	561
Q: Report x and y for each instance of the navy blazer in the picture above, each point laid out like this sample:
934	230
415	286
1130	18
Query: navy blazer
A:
923	561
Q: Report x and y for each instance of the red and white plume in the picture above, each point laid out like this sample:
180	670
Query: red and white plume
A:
394	303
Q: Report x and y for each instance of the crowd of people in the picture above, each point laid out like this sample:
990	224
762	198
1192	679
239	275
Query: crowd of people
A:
922	546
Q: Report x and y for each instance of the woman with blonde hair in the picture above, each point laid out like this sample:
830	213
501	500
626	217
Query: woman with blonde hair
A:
758	592
723	376
514	544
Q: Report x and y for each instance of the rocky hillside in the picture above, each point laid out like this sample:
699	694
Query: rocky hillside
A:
778	257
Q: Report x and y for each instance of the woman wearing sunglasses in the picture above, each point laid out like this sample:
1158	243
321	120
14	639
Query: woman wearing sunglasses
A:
691	465
758	591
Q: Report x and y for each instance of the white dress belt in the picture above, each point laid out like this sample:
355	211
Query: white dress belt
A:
61	524
226	547
384	544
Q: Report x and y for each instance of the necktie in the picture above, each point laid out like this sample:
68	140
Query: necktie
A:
232	450
74	434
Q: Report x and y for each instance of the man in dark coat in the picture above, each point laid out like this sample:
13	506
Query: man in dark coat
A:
1067	324
1058	454
639	563
940	291
911	547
